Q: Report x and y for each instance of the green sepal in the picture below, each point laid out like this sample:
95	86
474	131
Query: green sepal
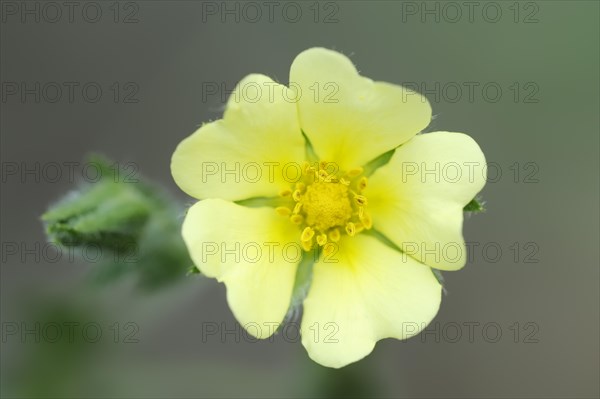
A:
378	162
475	205
192	270
302	282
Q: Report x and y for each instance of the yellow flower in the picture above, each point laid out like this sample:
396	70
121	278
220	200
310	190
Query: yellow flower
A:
294	166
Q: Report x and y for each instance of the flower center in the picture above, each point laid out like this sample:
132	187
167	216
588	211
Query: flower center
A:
325	204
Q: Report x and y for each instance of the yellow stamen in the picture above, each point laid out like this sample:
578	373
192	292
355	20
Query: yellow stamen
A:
324	176
297	219
329	248
307	234
362	183
334	235
366	220
283	211
360	200
307	245
322	239
355	172
351	229
344	181
286	192
326	205
297	195
306	168
297	208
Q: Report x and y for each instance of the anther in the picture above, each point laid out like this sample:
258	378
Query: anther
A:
307	245
361	200
283	211
366	220
297	195
351	229
322	239
362	183
307	234
306	168
297	208
334	235
286	192
296	219
354	172
329	249
324	176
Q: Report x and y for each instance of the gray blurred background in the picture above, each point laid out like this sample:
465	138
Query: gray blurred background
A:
533	275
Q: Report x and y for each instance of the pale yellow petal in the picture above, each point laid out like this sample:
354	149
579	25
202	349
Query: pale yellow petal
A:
254	151
417	199
365	291
348	118
244	248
